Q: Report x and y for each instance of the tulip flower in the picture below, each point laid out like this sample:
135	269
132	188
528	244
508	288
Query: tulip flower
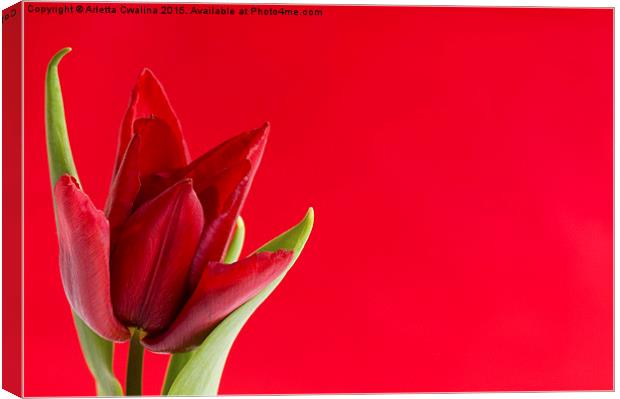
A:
150	267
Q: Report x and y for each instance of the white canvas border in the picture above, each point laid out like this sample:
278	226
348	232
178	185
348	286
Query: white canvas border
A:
524	3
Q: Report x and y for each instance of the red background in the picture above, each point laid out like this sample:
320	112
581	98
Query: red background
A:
459	162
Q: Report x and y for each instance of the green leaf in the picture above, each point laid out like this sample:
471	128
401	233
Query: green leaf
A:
97	351
98	354
178	360
203	371
236	243
175	365
58	148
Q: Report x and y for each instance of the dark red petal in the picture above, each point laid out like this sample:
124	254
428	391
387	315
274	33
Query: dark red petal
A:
160	149
152	257
154	185
148	99
222	178
83	235
245	146
124	189
221	210
222	289
145	171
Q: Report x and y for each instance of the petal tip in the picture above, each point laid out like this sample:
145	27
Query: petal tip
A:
259	134
146	72
187	182
257	140
264	130
185	187
147	78
67	180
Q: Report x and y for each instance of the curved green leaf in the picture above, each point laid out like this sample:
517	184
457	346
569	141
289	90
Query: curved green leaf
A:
203	371
97	351
58	148
179	360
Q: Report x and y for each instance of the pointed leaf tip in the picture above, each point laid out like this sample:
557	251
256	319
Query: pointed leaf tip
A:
58	56
293	239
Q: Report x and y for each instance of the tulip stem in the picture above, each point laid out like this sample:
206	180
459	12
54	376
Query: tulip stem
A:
134	365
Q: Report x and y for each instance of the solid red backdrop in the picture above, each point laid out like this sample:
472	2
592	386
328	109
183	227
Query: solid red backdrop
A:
459	161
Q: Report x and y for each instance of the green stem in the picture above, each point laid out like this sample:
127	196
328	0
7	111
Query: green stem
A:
134	365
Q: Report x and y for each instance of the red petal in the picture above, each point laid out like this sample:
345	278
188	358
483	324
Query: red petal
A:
124	189
222	179
151	155
148	99
152	258
84	239
221	207
245	146
221	290
153	185
160	149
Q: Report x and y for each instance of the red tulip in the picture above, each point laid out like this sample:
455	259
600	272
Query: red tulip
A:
153	260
